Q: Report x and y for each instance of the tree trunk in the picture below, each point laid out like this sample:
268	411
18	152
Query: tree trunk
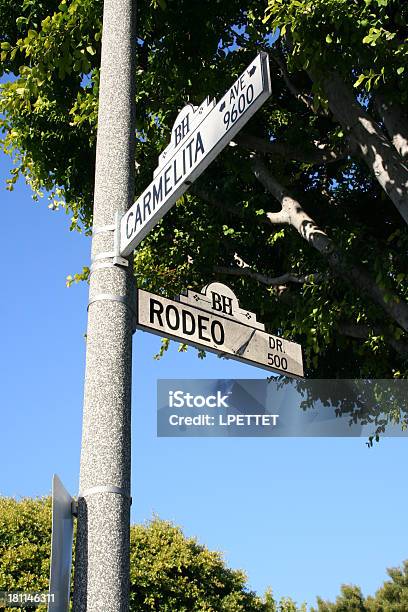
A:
378	153
395	123
293	214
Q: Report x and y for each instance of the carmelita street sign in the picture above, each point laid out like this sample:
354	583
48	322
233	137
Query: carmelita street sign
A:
214	321
199	134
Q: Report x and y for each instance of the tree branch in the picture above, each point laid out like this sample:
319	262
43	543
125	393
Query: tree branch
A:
395	122
209	197
356	276
279	218
269	281
280	62
311	154
376	150
217	203
362	332
292	213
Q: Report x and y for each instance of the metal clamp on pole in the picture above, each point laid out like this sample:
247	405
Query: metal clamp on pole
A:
115	256
109	297
105	489
74	508
118	260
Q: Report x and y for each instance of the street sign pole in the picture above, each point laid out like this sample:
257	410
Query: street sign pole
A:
102	547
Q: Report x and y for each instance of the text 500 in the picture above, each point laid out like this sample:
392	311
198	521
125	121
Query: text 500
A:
276	361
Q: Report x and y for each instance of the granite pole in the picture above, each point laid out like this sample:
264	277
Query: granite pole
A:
102	547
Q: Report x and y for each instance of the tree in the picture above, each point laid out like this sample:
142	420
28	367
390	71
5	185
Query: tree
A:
391	597
168	571
25	546
306	218
351	599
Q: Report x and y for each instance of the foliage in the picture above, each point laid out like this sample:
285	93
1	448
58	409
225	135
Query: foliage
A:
367	38
391	597
376	403
350	600
171	572
349	326
168	571
25	544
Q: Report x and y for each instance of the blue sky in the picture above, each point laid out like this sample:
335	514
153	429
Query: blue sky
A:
302	515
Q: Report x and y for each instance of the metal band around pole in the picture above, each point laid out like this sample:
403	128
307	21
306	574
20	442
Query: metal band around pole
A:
105	489
109	297
101	265
100	297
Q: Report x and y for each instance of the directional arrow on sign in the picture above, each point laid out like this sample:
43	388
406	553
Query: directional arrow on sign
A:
199	134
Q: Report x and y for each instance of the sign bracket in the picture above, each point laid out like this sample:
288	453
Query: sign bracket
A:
103	229
74	508
118	260
115	255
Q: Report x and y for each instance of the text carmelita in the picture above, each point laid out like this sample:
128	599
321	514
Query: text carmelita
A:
165	183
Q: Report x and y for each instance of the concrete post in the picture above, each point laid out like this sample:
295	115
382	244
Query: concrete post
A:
102	549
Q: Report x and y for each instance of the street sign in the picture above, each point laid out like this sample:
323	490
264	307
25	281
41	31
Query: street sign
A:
61	547
199	134
213	320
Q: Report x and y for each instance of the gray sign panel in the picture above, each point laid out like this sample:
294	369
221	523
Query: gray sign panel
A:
61	547
199	134
213	320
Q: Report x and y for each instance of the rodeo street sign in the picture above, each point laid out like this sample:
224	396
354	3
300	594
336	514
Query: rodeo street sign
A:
214	321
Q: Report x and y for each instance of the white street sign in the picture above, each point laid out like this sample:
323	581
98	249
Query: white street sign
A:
199	134
213	320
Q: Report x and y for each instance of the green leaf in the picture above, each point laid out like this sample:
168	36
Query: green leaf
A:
359	80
